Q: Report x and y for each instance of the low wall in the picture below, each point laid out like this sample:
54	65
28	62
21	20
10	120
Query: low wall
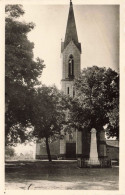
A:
113	152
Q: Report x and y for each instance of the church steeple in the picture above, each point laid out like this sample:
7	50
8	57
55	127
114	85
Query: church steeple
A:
71	55
71	32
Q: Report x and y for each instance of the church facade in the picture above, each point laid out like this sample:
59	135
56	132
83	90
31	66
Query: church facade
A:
73	144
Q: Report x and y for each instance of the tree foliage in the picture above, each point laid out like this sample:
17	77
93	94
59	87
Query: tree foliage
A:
48	114
9	151
14	10
21	72
97	101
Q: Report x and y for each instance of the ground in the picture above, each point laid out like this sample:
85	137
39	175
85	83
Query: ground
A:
60	175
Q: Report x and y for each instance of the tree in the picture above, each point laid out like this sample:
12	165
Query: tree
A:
9	151
21	73
48	114
96	104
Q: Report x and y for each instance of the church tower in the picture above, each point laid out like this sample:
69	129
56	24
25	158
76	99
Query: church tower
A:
71	52
71	142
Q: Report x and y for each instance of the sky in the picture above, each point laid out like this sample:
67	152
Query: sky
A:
97	29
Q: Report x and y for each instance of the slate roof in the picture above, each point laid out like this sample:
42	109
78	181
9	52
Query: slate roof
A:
71	32
113	143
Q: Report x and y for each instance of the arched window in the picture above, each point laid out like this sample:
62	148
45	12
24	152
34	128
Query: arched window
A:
71	66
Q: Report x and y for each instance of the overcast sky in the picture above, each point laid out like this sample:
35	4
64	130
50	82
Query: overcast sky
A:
97	28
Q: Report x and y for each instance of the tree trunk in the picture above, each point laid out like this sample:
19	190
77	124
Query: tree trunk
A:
48	150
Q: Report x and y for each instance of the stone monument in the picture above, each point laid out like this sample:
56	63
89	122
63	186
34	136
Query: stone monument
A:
93	160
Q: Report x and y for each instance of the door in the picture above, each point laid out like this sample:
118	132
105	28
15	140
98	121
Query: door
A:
70	150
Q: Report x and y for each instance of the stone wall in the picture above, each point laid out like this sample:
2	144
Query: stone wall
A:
54	150
112	152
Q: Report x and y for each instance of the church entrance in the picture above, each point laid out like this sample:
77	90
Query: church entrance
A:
70	150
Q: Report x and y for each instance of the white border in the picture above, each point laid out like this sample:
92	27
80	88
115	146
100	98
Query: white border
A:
121	190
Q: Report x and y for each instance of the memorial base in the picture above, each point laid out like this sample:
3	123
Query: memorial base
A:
86	163
93	162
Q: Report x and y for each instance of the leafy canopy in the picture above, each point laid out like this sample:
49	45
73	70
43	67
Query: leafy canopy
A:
48	114
22	73
97	100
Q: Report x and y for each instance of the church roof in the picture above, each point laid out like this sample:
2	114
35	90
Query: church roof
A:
71	32
113	143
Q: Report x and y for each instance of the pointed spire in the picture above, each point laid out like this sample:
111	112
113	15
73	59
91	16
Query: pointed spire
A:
71	32
70	2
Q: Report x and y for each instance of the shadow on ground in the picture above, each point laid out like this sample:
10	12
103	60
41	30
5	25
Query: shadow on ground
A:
59	175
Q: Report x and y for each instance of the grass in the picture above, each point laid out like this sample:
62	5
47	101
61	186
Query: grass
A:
61	175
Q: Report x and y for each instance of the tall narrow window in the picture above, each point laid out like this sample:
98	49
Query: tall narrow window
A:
73	92
71	66
68	90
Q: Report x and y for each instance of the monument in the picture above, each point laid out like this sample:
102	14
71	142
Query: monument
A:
93	160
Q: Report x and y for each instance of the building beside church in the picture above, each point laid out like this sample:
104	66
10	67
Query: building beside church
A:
74	144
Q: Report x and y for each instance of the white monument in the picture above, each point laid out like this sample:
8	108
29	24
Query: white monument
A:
93	160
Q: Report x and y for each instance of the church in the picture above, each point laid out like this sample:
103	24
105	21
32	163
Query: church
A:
74	144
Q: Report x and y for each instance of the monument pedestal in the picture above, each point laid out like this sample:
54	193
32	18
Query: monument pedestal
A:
93	160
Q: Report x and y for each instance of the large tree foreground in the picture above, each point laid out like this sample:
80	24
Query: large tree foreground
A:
96	104
22	74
